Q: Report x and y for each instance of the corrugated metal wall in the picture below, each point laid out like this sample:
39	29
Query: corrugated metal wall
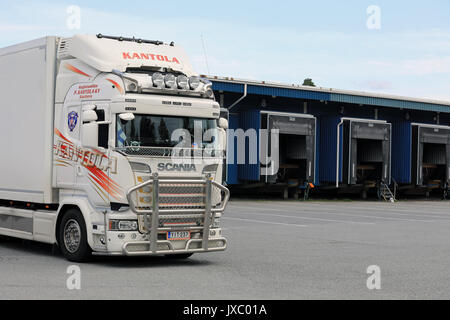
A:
328	149
383	102
326	96
288	93
227	86
317	164
232	168
327	120
401	151
250	119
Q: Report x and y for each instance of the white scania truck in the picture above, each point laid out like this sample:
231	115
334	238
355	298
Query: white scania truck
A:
110	146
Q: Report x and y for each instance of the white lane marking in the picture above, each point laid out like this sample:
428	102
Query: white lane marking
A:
305	218
343	214
267	222
398	211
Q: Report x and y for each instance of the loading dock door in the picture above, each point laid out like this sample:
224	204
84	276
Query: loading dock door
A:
297	141
433	153
370	142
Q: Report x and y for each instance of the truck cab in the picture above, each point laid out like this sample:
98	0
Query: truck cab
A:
137	152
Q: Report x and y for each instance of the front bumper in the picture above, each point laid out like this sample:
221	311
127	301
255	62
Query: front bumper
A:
142	248
156	216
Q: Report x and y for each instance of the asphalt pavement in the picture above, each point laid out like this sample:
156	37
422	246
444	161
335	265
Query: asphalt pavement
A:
277	250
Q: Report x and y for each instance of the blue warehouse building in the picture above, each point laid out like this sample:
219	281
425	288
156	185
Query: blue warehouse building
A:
335	139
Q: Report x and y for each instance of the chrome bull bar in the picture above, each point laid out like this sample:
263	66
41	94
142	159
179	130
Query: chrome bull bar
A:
155	212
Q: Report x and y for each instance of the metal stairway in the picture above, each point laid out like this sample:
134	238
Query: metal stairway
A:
385	192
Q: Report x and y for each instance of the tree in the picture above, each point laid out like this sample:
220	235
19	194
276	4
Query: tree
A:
308	82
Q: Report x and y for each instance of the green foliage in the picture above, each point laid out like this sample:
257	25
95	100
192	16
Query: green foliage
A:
308	82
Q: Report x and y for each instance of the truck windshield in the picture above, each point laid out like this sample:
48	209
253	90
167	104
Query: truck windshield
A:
162	131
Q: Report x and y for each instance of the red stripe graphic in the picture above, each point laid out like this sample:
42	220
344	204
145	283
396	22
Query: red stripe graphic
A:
118	86
98	175
76	70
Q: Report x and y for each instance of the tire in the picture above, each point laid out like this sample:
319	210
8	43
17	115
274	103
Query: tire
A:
74	245
179	256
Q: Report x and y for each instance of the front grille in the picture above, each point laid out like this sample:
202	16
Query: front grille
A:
170	152
179	196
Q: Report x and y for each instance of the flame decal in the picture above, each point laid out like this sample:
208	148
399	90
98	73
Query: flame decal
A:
95	174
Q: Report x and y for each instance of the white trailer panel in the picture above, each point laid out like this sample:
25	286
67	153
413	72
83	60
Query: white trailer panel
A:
26	121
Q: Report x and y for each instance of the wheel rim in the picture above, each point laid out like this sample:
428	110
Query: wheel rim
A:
72	235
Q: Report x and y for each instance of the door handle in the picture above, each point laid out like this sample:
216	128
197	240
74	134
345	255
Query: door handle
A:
79	171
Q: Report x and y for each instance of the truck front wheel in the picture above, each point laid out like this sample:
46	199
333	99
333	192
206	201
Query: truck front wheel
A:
72	237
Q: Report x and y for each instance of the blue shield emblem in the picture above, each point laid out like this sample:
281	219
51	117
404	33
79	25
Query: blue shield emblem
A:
72	119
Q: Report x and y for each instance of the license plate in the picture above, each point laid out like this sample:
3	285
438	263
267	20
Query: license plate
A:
178	235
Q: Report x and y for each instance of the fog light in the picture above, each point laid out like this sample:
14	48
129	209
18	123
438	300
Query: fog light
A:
212	233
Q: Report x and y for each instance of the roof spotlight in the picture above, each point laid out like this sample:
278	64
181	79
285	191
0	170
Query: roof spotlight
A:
170	80
194	82
158	80
183	82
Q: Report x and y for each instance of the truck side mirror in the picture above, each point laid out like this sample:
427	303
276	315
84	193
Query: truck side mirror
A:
126	116
89	129
89	116
223	123
89	135
222	139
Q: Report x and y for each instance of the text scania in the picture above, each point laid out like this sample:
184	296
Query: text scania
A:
176	167
149	56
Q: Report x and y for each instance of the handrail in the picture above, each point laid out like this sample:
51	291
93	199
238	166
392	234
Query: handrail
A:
225	200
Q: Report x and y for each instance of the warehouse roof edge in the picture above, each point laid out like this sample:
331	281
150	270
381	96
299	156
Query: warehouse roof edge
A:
326	94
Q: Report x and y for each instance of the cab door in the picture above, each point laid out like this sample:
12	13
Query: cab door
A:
92	169
67	142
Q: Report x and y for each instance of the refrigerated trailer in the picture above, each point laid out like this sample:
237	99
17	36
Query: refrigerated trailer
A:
111	146
355	153
422	161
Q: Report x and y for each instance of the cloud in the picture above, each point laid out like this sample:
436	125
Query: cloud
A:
7	27
376	85
382	61
420	66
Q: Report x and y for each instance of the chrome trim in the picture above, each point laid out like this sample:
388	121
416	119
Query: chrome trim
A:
172	250
156	213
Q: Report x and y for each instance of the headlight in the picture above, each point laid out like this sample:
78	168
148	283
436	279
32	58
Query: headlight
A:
132	87
183	82
170	81
211	168
158	80
140	167
123	225
194	82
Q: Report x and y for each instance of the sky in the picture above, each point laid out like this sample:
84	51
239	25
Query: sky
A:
396	47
